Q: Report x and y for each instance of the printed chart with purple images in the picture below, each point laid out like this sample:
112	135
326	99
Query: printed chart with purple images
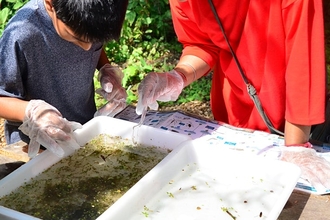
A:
221	134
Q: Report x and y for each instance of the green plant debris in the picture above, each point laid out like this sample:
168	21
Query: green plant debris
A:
194	187
229	212
146	211
170	194
84	185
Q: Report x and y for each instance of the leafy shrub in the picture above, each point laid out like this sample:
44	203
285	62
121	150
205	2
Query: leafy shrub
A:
7	10
148	43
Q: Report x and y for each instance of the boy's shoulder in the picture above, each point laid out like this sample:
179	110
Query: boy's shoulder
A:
26	13
31	19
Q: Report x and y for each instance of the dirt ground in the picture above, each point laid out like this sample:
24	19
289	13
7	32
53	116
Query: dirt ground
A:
2	136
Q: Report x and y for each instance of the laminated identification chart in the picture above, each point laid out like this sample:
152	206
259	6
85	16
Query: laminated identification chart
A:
217	133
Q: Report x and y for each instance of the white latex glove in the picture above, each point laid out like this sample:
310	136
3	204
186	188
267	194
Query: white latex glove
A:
44	125
111	109
314	168
158	87
112	90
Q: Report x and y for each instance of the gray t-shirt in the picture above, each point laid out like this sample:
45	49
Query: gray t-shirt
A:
36	63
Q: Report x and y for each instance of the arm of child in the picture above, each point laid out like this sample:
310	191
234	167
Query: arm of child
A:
12	109
42	122
102	60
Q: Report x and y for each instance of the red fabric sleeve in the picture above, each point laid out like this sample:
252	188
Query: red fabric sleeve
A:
194	41
280	46
305	72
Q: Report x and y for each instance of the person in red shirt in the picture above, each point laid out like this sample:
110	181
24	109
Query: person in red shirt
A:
280	47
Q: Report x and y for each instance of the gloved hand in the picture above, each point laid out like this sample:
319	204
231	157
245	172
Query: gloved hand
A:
110	78
44	125
315	169
158	86
111	108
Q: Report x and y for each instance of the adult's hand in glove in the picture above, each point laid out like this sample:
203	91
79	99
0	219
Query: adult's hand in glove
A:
44	125
315	169
112	90
158	87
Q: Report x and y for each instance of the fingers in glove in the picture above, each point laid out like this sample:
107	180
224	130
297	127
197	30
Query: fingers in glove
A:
53	146
107	87
168	86
153	106
99	91
121	105
108	96
159	86
44	125
315	169
147	89
25	128
74	125
146	92
71	143
111	108
316	177
110	73
318	173
33	148
110	78
118	94
139	108
61	134
50	144
64	126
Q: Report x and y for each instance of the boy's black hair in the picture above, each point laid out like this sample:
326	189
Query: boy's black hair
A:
92	20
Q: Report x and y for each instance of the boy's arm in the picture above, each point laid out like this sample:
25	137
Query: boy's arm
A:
102	60
12	109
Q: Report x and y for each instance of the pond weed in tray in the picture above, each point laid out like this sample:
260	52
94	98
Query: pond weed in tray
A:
85	184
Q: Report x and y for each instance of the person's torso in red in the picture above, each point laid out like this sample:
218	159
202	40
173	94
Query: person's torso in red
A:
282	57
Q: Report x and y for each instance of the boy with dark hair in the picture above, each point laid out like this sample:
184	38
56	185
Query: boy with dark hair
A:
49	52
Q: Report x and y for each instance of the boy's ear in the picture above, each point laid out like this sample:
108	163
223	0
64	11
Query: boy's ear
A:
49	6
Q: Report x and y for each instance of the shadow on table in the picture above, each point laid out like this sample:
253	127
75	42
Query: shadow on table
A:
294	206
7	168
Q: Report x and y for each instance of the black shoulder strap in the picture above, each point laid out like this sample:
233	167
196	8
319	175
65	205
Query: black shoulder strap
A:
250	88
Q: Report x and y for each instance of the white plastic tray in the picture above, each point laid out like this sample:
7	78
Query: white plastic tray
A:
199	181
145	135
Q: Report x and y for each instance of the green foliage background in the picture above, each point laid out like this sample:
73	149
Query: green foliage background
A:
148	43
7	10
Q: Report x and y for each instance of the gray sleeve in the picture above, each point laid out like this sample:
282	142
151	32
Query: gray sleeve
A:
12	66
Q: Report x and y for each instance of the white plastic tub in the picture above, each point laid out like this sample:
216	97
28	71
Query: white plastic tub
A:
144	135
199	181
195	181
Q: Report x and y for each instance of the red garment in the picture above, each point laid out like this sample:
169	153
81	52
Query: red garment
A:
280	45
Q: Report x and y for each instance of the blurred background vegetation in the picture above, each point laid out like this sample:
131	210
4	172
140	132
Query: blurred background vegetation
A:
148	43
